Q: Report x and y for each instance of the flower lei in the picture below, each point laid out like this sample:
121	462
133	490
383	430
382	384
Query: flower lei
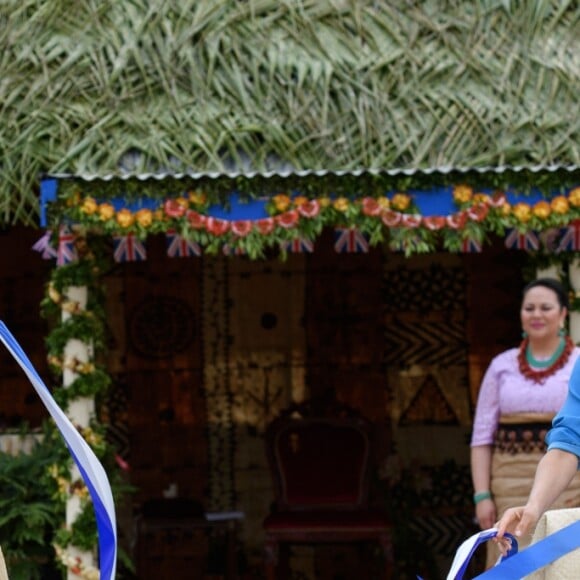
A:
539	376
75	565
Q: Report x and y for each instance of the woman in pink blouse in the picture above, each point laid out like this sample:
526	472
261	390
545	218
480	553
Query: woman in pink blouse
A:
522	390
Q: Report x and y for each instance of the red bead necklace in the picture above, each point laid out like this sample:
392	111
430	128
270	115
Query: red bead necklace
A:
540	375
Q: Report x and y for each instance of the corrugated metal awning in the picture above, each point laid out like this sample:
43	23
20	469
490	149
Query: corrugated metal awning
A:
398	172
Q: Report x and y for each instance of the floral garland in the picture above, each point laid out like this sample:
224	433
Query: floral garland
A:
291	217
75	564
86	325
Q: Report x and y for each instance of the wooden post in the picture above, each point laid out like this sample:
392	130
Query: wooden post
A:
574	275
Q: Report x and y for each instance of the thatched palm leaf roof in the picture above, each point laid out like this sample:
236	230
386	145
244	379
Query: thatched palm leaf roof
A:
335	84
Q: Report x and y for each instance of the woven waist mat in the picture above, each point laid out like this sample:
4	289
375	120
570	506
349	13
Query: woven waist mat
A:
521	438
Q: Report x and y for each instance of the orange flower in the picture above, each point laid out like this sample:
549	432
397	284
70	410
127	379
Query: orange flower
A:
89	205
125	218
506	208
384	202
324	201
281	202
144	217
74	199
106	211
481	198
522	211
341	204
462	193
574	197
560	204
400	201
542	209
299	200
197	197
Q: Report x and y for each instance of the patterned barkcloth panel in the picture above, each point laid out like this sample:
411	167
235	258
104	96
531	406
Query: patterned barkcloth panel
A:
425	342
427	373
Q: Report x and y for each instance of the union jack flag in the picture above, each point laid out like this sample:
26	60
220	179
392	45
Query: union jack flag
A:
350	240
470	246
518	241
66	251
180	247
570	240
129	249
298	246
44	246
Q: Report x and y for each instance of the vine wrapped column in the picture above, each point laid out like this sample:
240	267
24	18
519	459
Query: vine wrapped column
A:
80	411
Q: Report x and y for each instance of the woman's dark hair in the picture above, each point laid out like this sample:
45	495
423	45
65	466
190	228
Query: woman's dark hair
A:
552	284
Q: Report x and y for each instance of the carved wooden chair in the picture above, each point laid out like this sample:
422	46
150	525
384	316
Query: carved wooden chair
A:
319	457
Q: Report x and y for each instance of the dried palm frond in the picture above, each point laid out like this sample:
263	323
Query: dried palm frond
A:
337	84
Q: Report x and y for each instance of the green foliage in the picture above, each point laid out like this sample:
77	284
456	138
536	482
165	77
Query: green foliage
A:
92	380
84	327
30	511
89	385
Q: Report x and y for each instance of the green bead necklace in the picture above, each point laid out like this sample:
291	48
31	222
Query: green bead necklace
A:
544	364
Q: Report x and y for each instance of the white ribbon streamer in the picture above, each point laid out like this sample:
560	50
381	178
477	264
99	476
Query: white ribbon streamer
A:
89	466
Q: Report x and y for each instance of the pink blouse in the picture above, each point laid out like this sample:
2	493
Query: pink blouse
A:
505	390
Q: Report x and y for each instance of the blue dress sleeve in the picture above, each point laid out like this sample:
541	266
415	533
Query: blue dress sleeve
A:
565	431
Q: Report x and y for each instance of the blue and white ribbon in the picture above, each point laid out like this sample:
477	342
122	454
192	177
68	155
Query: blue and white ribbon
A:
537	555
516	565
89	466
467	549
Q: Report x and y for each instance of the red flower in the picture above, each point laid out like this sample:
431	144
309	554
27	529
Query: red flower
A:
217	227
456	221
410	220
370	206
478	212
309	209
435	222
498	199
173	208
391	218
242	227
196	220
288	220
266	226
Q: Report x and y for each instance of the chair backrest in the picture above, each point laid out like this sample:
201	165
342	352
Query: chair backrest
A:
319	460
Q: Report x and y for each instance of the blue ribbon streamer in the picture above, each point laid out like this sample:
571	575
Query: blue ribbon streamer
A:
516	565
92	471
537	555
